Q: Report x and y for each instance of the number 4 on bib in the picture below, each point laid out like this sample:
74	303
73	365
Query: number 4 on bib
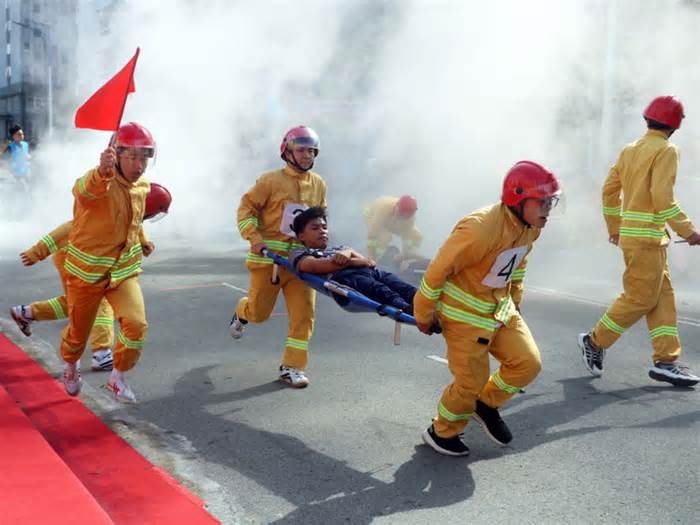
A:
502	270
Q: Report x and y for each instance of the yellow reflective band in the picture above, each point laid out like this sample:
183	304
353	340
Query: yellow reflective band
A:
123	273
671	212
251	257
640	216
663	330
128	343
611	325
642	233
135	250
104	321
278	246
505	310
297	344
498	381
427	292
247	222
459	295
88	277
82	189
91	260
518	275
613	210
50	243
465	317
57	308
451	416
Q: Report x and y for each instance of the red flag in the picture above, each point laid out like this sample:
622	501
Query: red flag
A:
104	109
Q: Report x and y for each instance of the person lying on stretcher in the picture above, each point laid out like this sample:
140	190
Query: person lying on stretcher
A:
344	265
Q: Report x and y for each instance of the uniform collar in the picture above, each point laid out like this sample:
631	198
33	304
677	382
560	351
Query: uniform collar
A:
656	133
292	172
513	219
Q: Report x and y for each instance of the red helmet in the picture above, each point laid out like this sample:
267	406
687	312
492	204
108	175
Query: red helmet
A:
528	180
133	135
666	110
157	203
407	205
300	136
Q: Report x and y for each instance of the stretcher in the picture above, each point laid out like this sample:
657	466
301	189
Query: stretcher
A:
347	298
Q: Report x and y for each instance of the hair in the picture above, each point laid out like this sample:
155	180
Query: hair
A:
14	129
305	217
653	124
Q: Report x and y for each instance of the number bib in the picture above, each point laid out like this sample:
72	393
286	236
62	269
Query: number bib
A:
291	210
506	263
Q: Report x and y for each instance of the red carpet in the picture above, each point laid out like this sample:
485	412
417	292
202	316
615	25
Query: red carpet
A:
129	488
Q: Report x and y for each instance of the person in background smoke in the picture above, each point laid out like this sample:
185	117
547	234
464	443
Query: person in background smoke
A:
265	218
645	173
389	216
473	288
19	154
55	243
103	256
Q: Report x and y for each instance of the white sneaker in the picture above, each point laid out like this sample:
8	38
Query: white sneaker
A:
101	360
22	318
293	377
119	387
236	327
71	378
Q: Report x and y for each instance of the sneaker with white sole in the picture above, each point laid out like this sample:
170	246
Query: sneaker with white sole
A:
453	446
674	372
71	378
490	420
236	326
21	314
592	356
101	360
293	377
120	388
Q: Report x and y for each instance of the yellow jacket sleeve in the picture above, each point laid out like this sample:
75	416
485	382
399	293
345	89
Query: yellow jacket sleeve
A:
612	204
50	243
92	186
252	203
465	247
662	180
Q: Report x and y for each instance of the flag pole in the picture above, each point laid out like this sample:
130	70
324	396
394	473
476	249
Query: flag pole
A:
131	80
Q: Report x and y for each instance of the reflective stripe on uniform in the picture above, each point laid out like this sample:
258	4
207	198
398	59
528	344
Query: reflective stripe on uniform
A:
81	187
427	292
650	233
57	308
663	330
641	216
671	212
461	316
50	243
518	275
297	344
252	258
129	343
90	260
500	383
611	325
612	210
104	321
450	416
467	299
247	222
88	277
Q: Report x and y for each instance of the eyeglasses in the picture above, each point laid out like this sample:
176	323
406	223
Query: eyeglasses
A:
549	202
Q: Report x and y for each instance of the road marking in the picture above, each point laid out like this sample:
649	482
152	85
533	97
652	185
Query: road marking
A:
234	287
437	358
549	291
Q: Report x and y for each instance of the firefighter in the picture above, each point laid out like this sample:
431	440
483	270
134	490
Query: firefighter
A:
473	288
389	216
54	244
265	217
103	256
645	173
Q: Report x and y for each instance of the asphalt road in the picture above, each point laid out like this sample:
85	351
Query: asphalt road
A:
619	449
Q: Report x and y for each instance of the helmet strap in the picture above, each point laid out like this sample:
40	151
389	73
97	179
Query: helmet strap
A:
291	159
518	212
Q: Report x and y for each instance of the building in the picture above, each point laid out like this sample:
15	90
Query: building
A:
39	65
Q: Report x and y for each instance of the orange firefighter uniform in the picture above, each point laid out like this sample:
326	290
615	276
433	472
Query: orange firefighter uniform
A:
266	214
383	222
103	260
645	173
55	244
475	285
